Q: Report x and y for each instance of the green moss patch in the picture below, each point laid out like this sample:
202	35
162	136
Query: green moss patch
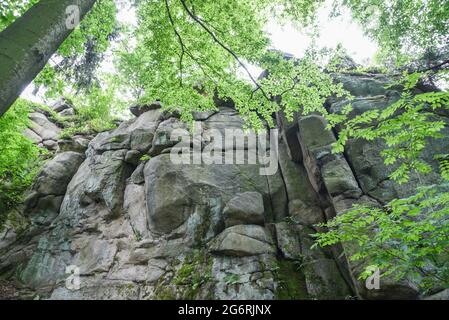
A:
291	282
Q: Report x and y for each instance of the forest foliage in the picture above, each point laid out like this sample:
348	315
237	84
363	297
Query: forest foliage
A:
19	157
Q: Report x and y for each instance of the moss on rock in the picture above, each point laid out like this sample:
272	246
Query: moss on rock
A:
291	282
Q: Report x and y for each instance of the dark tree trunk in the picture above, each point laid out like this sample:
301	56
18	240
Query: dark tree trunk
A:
28	43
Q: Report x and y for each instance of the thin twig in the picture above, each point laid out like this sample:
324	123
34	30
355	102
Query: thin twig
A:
181	43
232	53
184	48
295	82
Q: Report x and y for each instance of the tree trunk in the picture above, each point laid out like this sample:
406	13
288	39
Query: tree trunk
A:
28	43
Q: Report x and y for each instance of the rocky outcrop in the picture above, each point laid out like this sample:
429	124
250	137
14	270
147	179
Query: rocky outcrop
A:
136	225
46	127
44	201
359	175
132	223
243	240
245	208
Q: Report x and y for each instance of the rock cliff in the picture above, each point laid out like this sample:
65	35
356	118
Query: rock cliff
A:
132	224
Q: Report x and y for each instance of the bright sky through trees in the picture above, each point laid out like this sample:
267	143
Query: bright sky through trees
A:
288	38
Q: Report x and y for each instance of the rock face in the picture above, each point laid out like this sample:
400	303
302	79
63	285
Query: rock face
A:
358	176
129	222
243	240
45	131
44	128
140	109
137	225
50	186
245	208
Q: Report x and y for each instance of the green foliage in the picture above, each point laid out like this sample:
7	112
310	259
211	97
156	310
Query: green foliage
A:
404	127
19	157
406	238
194	272
443	160
189	51
52	115
94	112
145	157
185	53
232	278
404	29
10	10
14	220
79	56
97	26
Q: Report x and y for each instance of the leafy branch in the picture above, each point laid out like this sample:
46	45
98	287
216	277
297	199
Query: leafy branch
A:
226	48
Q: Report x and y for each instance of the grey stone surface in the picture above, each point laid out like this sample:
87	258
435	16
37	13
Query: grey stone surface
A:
50	145
162	136
305	214
136	209
93	255
339	179
33	136
148	228
137	176
174	190
242	240
240	278
134	134
245	208
43	127
324	280
138	110
442	295
314	133
61	105
76	144
67	112
133	157
363	85
99	289
288	240
52	181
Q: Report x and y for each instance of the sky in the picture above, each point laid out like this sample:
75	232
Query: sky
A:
332	32
338	30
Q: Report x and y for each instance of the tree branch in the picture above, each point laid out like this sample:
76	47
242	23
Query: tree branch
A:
184	48
232	53
295	82
435	67
181	43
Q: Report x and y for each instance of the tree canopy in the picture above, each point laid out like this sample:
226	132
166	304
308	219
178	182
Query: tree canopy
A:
179	46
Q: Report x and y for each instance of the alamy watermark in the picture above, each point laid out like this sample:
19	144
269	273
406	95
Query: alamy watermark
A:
73	281
226	146
72	17
373	281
